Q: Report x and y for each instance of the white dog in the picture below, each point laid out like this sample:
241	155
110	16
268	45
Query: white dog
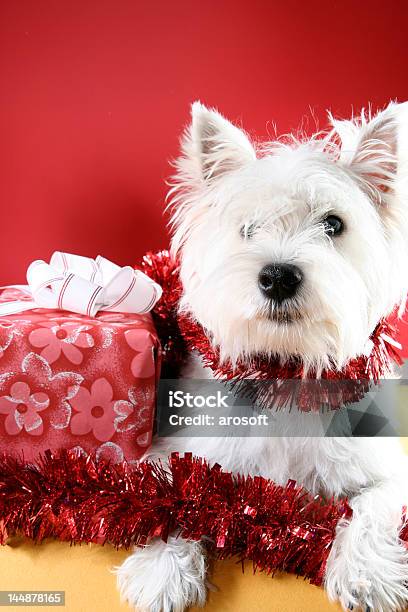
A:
293	248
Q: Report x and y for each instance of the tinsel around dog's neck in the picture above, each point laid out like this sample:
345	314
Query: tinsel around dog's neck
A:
180	335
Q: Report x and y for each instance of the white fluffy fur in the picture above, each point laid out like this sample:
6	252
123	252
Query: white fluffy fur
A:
236	207
163	576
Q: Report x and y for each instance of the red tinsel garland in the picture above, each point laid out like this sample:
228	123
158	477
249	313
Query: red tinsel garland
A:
181	334
75	498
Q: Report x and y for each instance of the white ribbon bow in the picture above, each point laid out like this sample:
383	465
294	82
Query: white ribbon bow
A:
85	285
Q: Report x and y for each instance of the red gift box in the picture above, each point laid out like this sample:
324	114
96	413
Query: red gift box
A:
72	381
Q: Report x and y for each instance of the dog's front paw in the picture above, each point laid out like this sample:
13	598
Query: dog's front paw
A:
164	577
367	570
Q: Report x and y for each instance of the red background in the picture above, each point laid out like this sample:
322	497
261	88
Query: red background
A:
95	94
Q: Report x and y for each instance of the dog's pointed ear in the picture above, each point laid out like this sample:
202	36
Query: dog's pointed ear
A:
216	145
372	146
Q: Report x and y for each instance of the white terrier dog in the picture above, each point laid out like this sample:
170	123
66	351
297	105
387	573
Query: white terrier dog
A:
295	248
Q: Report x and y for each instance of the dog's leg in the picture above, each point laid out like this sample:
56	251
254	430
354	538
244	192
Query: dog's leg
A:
368	566
164	577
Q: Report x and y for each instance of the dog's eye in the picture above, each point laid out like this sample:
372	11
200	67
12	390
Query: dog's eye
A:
247	230
333	225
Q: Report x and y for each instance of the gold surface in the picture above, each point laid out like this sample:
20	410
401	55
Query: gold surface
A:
83	573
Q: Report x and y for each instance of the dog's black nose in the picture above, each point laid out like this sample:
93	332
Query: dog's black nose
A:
279	281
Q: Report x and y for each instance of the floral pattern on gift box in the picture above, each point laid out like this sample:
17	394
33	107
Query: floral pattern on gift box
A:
66	338
117	319
9	294
95	411
22	408
7	323
59	315
135	412
140	366
108	451
25	393
6	335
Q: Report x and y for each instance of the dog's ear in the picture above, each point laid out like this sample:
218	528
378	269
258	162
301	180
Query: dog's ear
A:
373	146
216	145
